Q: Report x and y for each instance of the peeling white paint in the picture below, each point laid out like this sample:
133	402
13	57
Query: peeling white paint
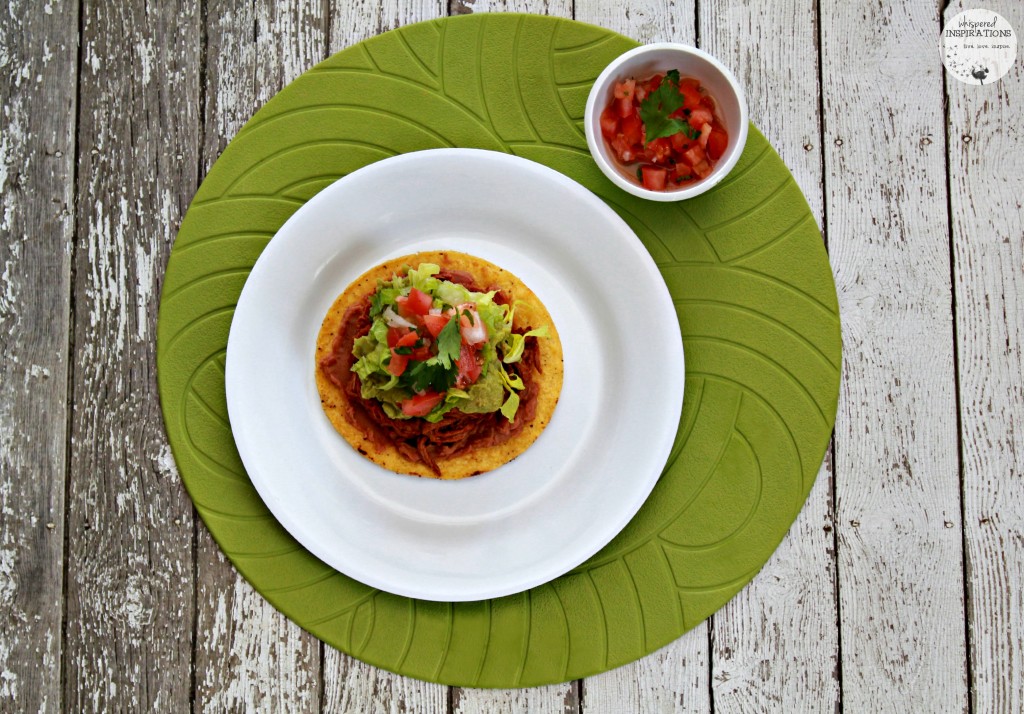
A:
91	58
267	650
144	270
108	264
137	615
8	589
165	463
5	157
147	58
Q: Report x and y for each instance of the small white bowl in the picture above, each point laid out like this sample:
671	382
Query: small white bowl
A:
643	62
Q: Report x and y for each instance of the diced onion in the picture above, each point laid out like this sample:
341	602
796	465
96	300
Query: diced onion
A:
395	320
474	331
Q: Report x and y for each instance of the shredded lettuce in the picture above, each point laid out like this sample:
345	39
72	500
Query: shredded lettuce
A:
495	389
452	293
516	343
422	278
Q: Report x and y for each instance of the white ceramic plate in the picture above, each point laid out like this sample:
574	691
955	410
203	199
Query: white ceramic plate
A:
534	518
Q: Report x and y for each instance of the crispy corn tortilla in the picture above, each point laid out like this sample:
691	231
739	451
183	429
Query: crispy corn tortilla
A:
529	312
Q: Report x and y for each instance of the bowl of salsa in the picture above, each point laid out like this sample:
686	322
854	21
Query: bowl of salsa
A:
666	121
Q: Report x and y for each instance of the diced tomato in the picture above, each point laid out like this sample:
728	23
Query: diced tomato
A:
681	173
609	123
633	130
623	150
419	302
625	89
680	142
691	82
395	334
691	95
407	340
421	404
397	364
469	367
694	155
435	323
705	132
654	82
718	142
422	352
625	106
702	169
654	177
700	116
658	150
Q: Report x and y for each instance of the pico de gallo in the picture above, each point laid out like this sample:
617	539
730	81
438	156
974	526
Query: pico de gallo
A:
664	130
435	346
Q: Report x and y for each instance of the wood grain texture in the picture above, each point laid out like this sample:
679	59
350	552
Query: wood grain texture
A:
643	20
986	152
556	8
353	21
248	656
897	483
130	532
775	645
676	677
38	80
552	699
354	687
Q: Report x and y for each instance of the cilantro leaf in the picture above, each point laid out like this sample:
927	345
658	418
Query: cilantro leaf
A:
449	343
428	375
656	108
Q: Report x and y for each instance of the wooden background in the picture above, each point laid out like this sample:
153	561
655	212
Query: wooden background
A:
898	588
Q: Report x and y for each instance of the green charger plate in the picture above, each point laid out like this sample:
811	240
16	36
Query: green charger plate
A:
744	263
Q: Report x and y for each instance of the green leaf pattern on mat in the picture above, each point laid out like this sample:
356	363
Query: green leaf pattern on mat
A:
744	263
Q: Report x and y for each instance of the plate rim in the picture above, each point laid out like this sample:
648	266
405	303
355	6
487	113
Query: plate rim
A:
676	388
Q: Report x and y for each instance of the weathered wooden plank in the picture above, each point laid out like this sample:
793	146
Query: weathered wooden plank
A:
249	656
353	21
775	645
557	8
897	472
38	80
676	677
643	20
130	529
986	153
354	687
552	699
348	684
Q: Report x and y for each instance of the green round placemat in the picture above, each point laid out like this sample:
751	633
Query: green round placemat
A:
756	302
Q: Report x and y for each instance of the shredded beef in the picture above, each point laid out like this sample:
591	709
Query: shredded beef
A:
417	439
